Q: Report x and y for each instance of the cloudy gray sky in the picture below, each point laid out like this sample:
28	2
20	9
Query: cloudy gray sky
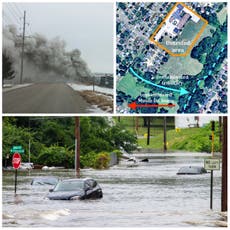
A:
85	26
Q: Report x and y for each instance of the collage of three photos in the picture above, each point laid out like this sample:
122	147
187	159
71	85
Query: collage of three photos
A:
114	114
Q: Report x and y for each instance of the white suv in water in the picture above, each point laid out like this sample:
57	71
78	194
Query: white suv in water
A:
26	166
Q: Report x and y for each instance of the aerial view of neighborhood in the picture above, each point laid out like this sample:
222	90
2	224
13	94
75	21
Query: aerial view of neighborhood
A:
171	57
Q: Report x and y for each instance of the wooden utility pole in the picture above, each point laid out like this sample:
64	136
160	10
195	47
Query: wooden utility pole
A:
165	134
211	181
220	130
77	146
137	124
93	82
224	190
148	133
23	44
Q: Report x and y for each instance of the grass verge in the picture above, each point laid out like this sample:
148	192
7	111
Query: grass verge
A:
190	139
101	100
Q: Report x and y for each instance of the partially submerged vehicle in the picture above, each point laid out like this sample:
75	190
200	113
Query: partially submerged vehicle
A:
26	166
44	181
76	189
191	170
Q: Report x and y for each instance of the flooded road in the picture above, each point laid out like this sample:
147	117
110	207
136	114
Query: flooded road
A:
149	195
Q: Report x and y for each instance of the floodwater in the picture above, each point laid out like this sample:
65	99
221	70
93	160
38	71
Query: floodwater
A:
149	195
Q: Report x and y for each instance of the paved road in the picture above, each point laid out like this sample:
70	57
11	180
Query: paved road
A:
44	98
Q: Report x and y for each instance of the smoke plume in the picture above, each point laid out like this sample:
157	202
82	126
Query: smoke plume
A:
44	60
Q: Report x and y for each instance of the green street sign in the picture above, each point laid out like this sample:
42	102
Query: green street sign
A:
16	147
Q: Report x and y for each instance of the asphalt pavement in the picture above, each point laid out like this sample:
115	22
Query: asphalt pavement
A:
44	98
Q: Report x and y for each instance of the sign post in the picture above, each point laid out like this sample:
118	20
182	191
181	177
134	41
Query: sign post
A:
211	190
16	161
211	164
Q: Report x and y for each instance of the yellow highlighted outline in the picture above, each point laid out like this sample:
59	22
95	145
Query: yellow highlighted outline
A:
192	43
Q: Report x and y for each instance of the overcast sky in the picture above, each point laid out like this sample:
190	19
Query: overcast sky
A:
85	26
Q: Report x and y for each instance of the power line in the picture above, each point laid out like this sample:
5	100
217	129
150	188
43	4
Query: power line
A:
4	21
14	9
30	30
17	8
12	13
9	19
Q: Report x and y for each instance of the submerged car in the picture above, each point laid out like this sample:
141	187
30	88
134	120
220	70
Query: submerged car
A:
76	189
26	166
191	170
44	181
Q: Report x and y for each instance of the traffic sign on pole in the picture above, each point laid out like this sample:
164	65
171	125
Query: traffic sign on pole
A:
212	164
16	160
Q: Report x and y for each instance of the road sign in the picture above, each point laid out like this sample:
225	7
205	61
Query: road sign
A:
212	164
17	147
17	150
16	160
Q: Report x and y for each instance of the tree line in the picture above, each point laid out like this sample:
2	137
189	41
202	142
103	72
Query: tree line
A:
52	140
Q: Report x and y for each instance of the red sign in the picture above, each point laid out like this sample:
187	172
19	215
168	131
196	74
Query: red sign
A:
16	160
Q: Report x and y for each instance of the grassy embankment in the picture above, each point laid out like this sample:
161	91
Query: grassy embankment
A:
188	139
129	124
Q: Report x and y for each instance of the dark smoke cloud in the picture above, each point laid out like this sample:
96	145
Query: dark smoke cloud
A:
44	60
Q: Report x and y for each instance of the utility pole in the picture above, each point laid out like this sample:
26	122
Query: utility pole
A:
211	182
165	133
23	44
93	82
77	146
220	130
29	149
148	135
224	190
137	124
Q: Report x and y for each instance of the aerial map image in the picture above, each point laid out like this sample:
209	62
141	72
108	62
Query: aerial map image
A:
171	57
